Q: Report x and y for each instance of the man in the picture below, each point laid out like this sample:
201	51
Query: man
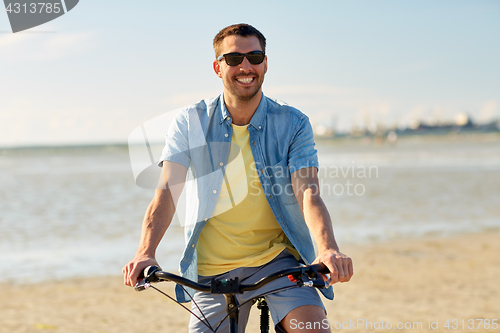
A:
253	191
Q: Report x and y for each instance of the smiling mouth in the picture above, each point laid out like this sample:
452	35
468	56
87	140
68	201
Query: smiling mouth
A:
245	80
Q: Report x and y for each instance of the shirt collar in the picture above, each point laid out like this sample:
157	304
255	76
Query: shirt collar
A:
224	113
258	117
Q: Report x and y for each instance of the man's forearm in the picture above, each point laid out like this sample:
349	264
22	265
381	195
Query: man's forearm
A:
156	221
161	210
318	221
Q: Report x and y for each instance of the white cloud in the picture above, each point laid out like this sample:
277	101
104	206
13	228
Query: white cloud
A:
43	46
321	90
337	106
181	100
489	111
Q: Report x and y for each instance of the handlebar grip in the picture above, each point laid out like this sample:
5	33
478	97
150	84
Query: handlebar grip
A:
150	270
321	268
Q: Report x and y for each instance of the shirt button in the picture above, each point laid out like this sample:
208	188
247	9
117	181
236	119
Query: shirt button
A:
226	135
260	127
221	164
192	245
215	191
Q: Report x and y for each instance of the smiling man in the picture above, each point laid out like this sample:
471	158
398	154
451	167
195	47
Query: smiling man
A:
251	218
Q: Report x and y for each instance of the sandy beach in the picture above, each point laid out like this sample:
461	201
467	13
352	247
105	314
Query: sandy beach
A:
412	283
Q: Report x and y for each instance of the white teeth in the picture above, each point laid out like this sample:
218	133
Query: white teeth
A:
245	80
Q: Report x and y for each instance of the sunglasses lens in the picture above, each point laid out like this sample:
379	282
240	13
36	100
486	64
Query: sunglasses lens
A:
255	58
234	59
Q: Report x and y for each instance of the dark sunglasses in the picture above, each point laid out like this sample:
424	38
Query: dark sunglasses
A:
236	58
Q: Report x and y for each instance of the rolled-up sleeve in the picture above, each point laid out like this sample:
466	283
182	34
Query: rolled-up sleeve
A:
176	142
302	153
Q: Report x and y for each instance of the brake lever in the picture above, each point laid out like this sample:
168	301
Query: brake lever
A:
313	275
316	275
142	285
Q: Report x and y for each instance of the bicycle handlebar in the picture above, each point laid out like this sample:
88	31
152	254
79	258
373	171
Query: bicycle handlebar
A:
232	286
295	274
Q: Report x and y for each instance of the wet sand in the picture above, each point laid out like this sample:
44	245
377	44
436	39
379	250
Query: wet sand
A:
408	282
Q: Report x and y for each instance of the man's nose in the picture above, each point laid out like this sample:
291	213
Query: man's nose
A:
245	65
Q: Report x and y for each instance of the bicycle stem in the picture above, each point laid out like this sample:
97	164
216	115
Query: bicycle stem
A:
233	312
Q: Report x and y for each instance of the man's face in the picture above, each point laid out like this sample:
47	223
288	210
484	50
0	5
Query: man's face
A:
243	81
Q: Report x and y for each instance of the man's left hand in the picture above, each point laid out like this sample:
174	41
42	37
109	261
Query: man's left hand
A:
340	265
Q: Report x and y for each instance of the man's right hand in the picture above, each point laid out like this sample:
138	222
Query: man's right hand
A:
134	268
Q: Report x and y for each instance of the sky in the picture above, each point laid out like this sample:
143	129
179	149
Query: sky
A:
101	70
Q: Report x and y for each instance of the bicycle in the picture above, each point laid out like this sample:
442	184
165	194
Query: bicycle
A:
230	287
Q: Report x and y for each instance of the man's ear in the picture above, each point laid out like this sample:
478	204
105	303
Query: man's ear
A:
217	70
265	65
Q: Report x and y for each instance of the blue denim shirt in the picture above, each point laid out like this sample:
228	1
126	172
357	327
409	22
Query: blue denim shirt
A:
281	140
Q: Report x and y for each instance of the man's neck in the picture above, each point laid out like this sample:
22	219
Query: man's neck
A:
242	111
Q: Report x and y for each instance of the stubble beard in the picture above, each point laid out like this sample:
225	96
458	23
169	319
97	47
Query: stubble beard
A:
248	94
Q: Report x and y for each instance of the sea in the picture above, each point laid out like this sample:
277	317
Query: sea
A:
77	211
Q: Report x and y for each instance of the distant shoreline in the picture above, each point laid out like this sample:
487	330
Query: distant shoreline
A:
465	136
319	139
65	146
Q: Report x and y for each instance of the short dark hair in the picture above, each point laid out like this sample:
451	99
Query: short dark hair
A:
241	29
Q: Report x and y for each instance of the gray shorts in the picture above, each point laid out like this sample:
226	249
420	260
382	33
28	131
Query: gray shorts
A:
280	303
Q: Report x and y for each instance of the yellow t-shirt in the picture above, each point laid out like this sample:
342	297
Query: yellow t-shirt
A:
243	231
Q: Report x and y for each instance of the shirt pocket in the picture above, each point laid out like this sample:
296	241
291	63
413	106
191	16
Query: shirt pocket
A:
281	185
